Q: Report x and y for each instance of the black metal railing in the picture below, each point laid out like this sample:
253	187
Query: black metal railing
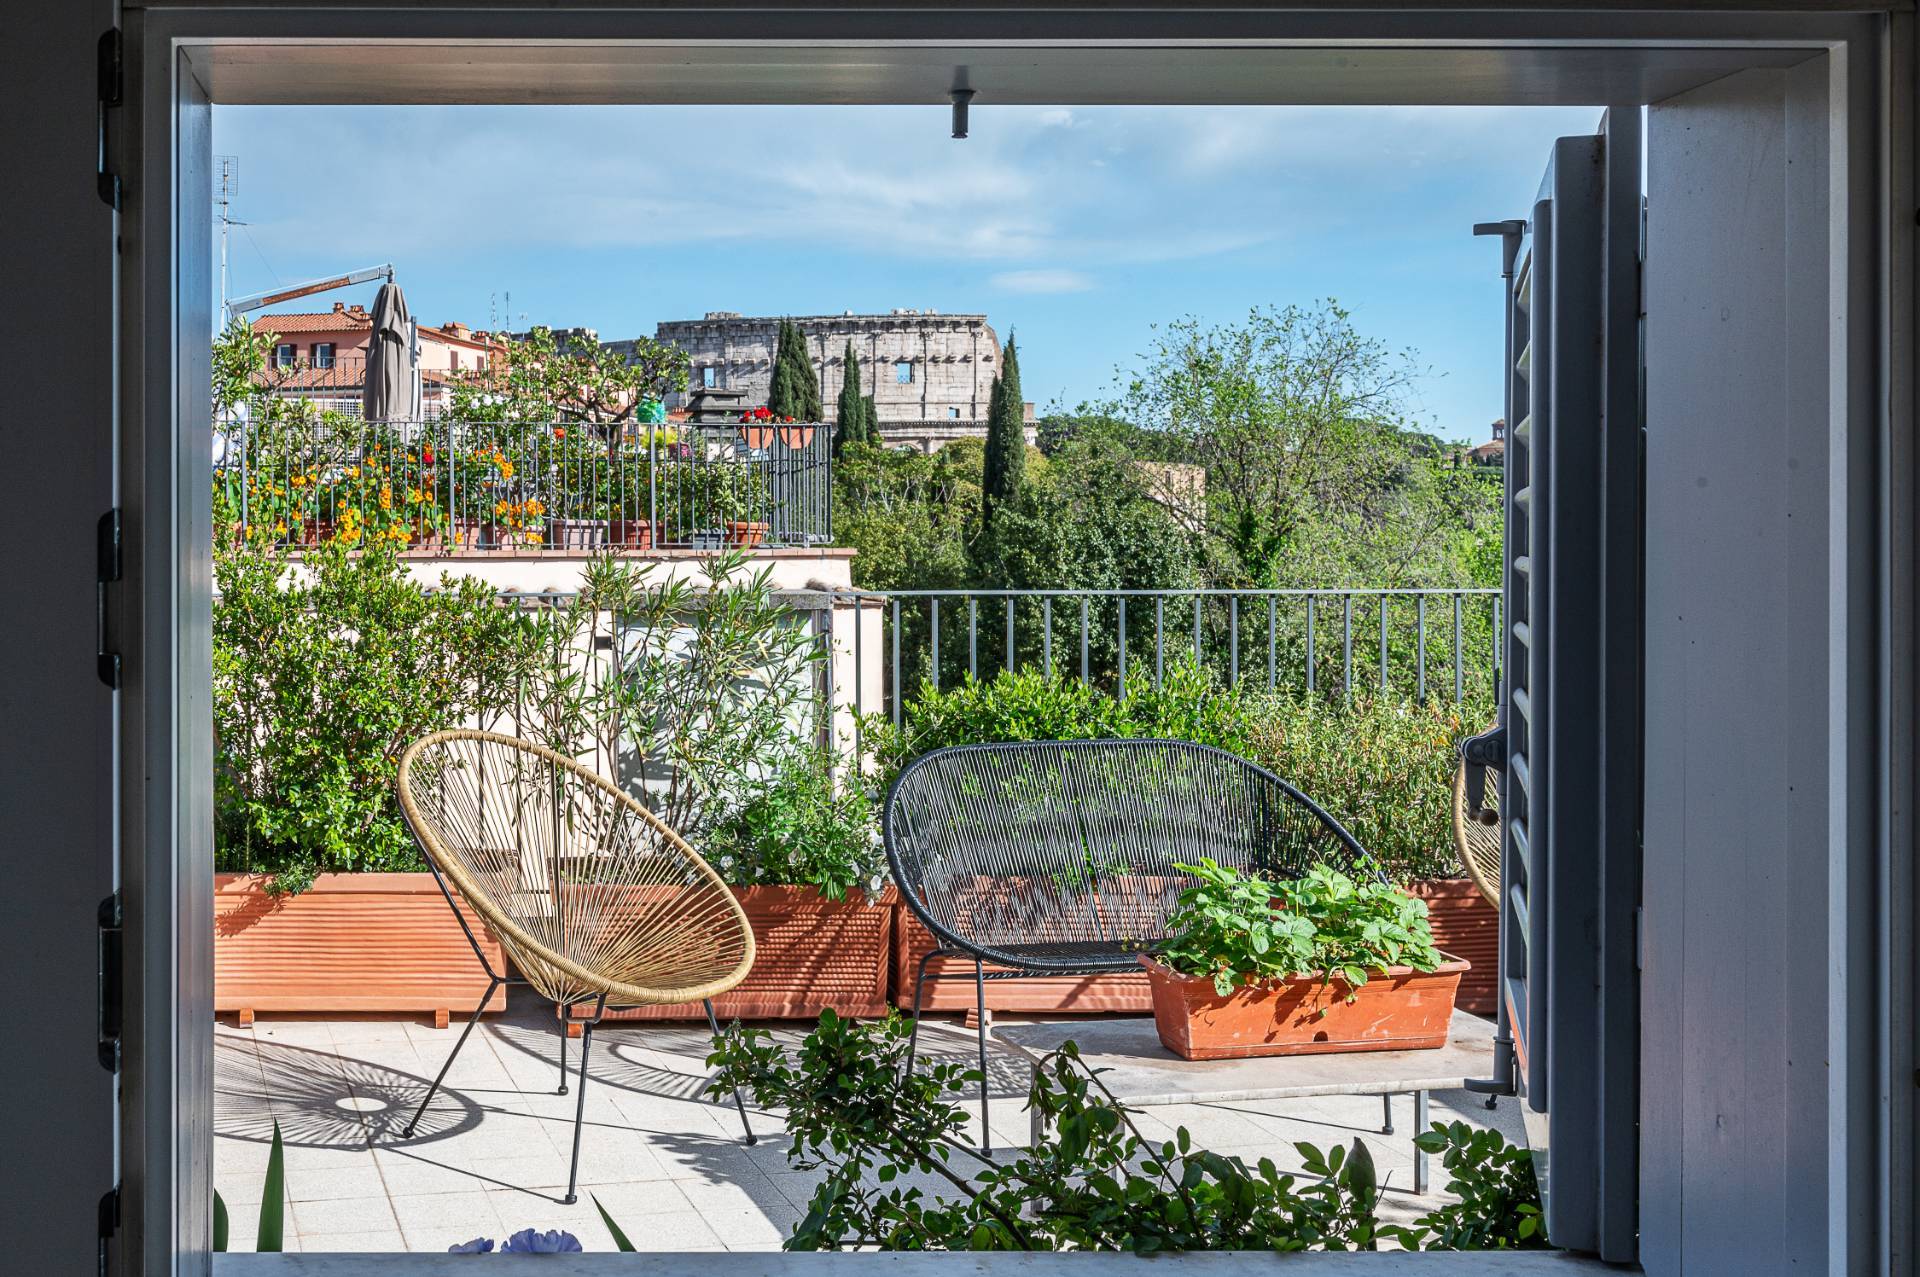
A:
302	479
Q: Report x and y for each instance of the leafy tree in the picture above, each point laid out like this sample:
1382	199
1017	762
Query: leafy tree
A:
907	514
856	422
540	380
1006	459
1312	472
795	388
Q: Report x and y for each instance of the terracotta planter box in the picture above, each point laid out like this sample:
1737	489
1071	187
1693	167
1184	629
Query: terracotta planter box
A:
1122	991
811	954
1465	925
1399	1009
350	942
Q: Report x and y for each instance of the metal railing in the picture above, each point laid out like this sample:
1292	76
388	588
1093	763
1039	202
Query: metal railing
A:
1416	642
301	479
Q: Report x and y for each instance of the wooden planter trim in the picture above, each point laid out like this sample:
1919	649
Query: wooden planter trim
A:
373	942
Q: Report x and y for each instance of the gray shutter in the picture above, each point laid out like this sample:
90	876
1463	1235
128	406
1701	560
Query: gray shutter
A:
1570	788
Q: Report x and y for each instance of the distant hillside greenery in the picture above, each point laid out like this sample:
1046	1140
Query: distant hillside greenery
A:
1275	452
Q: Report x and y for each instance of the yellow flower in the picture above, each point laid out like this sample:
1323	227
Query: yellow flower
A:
413	496
299	481
535	508
502	507
280	528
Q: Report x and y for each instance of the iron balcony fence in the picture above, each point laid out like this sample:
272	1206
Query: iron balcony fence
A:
300	478
879	650
1414	642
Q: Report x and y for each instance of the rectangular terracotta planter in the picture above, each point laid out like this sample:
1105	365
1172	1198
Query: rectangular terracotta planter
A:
350	942
1122	991
1398	1009
1466	926
811	953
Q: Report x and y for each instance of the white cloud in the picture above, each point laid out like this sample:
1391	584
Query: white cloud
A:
1042	281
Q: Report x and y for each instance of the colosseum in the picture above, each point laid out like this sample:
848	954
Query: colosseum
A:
929	374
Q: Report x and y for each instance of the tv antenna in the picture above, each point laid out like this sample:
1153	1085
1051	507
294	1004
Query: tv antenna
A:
226	186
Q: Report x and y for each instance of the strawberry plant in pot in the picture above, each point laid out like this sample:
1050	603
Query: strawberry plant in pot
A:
1320	963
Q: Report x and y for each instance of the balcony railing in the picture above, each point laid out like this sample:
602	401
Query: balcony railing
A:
452	486
1419	643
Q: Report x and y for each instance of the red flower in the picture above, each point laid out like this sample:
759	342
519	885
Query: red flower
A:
559	432
762	414
426	454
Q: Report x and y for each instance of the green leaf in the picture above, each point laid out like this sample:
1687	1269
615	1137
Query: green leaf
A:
619	1238
273	1198
219	1222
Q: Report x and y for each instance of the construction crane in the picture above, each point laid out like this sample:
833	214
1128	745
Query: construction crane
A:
241	305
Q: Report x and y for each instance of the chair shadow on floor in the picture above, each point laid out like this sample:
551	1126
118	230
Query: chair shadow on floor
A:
322	1100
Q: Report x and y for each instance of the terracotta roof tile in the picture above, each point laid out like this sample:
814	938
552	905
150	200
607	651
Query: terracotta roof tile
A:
306	322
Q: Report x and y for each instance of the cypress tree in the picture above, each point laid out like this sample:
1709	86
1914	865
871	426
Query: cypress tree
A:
851	412
870	420
794	390
1006	456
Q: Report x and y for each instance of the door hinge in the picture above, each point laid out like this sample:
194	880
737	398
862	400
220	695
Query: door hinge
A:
111	89
109	1224
106	572
1479	753
109	1002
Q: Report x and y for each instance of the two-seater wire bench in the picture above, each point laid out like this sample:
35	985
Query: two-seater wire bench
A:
1060	857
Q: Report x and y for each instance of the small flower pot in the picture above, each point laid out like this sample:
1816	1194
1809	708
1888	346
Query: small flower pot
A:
576	534
475	534
796	435
740	532
758	436
630	534
1398	1009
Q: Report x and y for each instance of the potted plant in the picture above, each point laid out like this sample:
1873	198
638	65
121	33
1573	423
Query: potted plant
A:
758	427
802	852
721	749
622	496
320	678
1305	966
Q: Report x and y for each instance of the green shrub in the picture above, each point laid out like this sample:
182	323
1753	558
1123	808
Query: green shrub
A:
856	1112
1236	929
323	672
1382	766
801	827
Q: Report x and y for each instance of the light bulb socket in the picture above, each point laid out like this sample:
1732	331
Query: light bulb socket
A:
960	98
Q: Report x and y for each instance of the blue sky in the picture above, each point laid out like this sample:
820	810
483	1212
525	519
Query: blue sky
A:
1077	229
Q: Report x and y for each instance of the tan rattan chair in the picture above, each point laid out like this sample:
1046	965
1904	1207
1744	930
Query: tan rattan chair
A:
1476	831
592	898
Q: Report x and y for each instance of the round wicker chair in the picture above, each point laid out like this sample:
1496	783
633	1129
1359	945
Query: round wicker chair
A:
1476	831
592	898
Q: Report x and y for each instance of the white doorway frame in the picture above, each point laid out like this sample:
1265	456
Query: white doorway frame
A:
180	58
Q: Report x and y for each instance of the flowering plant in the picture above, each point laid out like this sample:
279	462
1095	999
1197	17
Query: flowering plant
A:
555	1241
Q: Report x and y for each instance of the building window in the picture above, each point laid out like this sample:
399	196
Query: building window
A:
709	376
283	355
953	414
454	356
323	354
903	372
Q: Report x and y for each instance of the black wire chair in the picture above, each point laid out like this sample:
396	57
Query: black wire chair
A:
1057	857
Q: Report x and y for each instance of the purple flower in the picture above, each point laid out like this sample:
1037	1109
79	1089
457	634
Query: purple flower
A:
478	1246
552	1242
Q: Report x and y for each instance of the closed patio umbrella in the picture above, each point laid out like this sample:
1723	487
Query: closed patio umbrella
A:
388	393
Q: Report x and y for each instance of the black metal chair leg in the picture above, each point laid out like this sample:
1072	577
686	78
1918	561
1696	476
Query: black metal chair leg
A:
579	1114
980	999
561	1010
919	987
713	1022
433	1090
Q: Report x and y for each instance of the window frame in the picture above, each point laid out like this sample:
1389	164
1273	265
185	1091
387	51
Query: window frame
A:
164	44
